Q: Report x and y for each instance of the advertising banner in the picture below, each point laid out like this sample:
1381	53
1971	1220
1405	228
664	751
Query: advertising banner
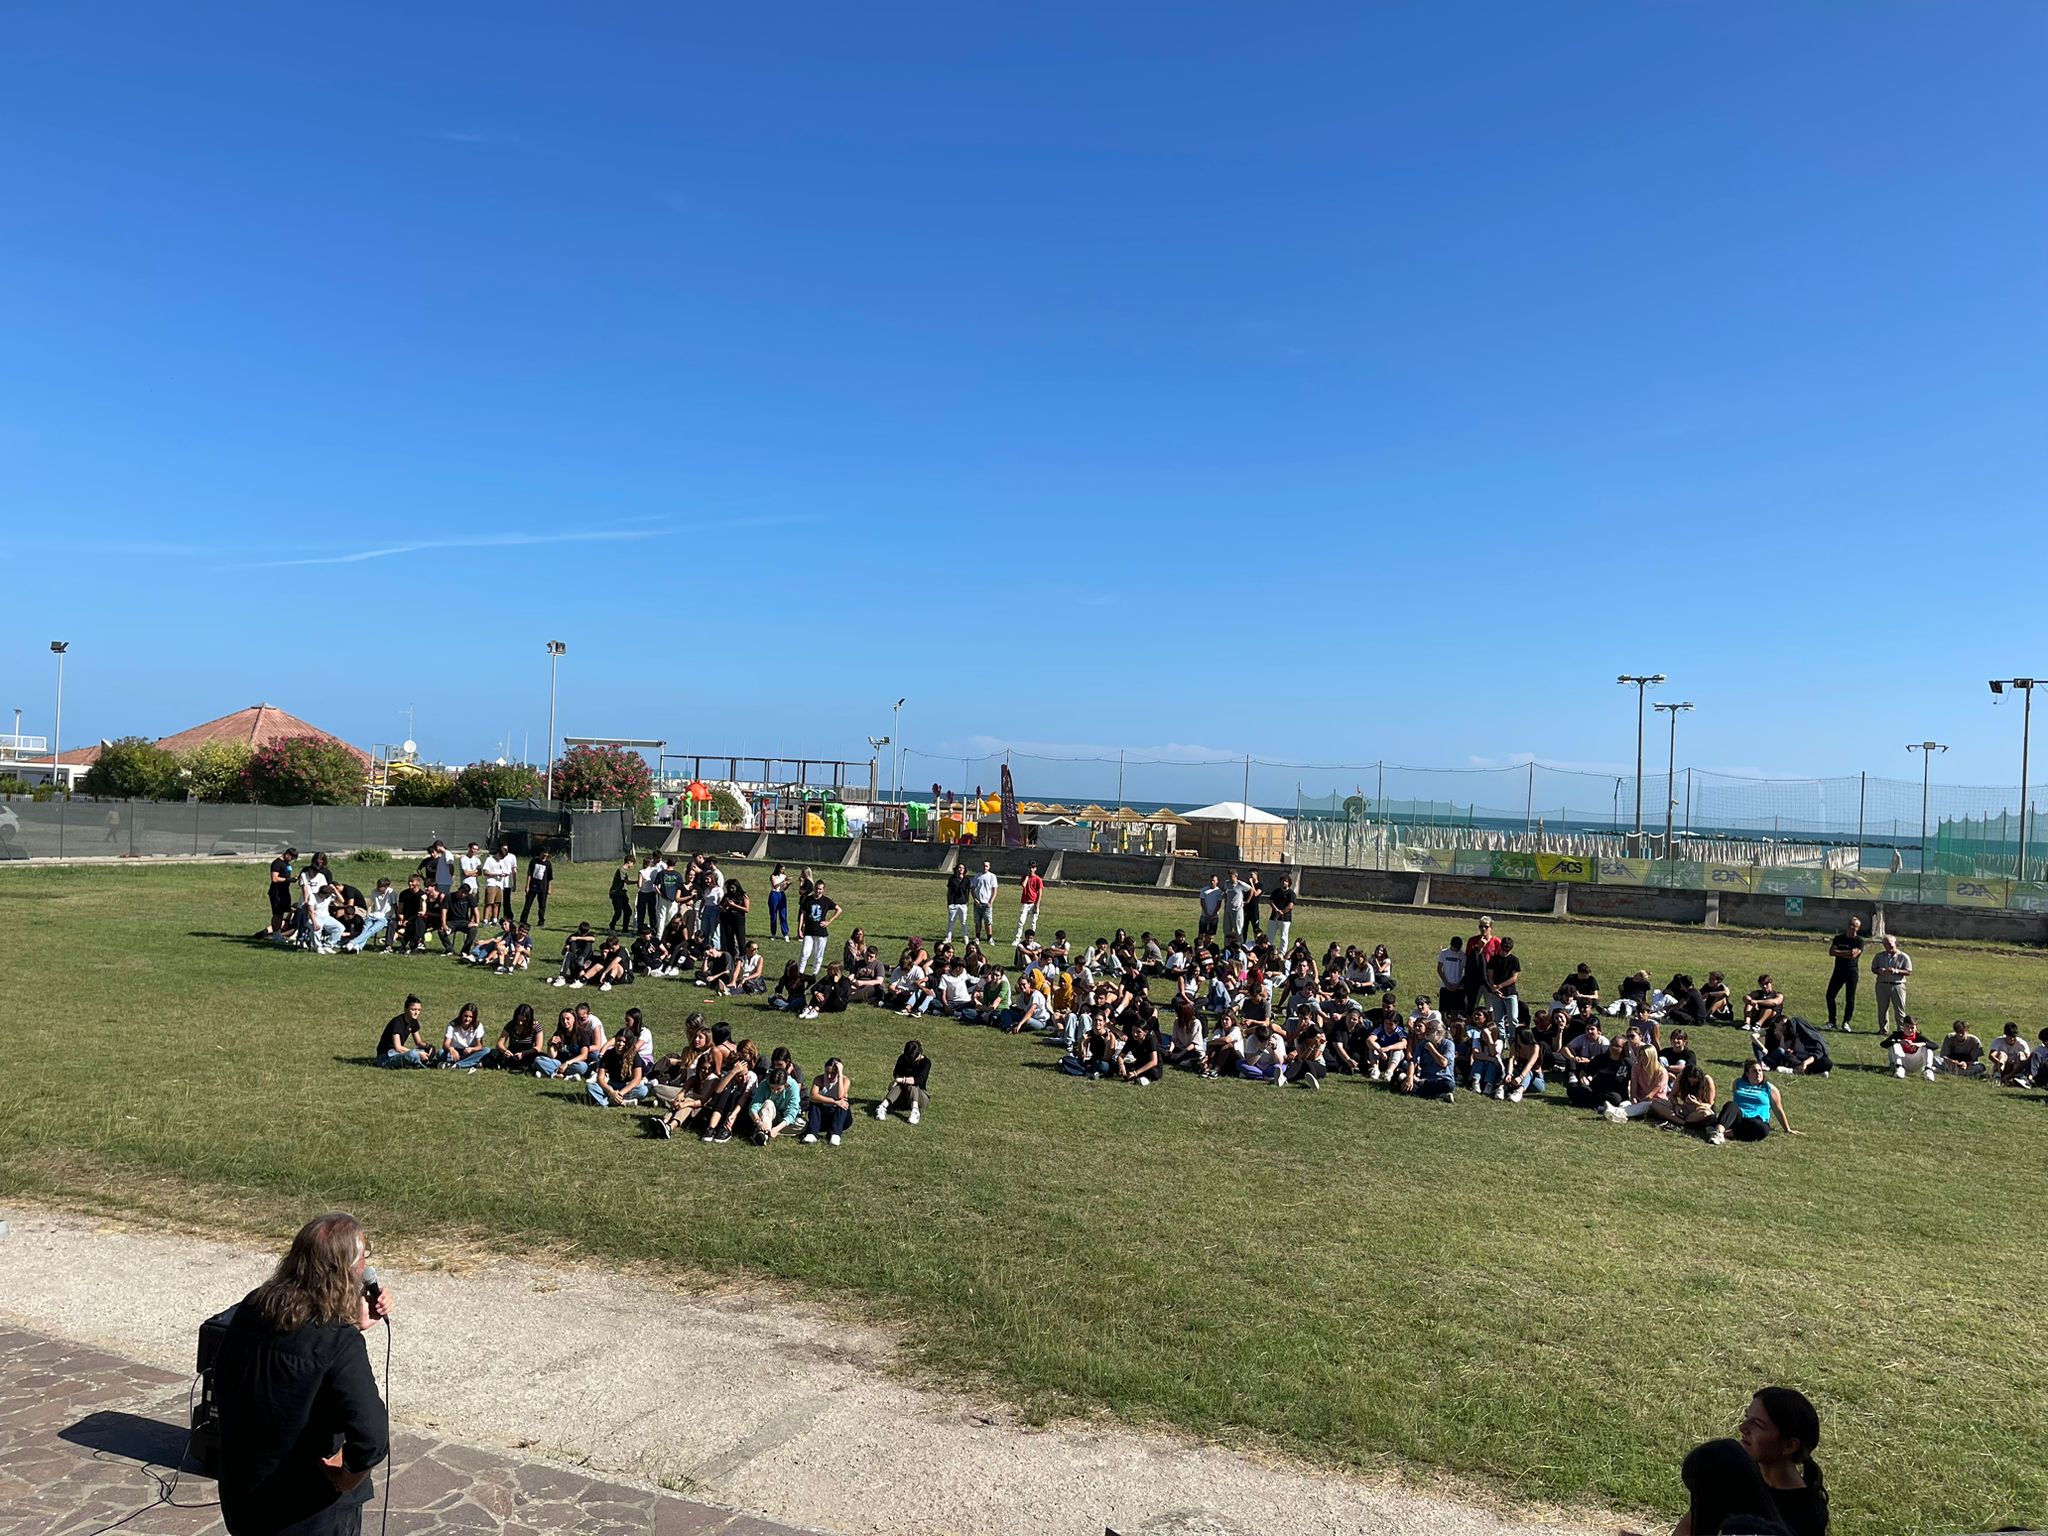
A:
1858	884
1791	882
1566	867
1730	877
2026	896
1624	871
1959	892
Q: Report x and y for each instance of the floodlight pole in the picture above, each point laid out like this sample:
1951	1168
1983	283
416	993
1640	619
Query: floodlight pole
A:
896	753
555	650
2025	686
59	647
1926	749
1670	773
1642	688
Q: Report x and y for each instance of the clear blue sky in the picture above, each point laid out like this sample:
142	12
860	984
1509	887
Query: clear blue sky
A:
1328	382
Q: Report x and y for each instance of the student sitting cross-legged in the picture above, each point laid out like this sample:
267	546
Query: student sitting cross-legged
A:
828	1111
621	1076
519	1042
400	1044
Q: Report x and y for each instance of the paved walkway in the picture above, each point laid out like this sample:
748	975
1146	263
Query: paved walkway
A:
82	1430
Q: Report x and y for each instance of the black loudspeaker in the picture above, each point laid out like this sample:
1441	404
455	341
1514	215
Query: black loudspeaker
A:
206	1411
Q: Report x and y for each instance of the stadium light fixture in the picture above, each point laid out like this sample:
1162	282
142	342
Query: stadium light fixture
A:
1670	771
555	651
58	649
1643	683
1926	749
2026	686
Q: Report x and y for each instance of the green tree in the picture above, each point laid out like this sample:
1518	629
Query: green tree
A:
305	770
424	786
483	785
607	775
133	769
216	771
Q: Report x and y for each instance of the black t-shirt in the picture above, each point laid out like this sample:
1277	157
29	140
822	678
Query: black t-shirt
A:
735	902
522	1037
461	909
411	903
540	872
1635	989
1502	971
1607	1073
1845	965
817	912
396	1033
1282	902
1958	1048
281	871
957	888
1802	1510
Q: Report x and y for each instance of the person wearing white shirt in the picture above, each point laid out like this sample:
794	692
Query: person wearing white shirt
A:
984	888
377	918
500	869
468	867
956	989
326	930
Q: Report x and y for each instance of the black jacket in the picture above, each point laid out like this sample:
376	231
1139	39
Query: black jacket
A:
286	1401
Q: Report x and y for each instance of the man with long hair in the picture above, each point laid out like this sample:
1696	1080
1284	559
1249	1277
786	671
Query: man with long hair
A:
301	1423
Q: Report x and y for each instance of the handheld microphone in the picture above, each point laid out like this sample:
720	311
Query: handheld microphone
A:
371	1289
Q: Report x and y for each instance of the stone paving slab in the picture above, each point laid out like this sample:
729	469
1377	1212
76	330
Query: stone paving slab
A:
82	1430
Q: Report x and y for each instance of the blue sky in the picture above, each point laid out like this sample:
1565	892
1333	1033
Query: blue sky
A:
1327	382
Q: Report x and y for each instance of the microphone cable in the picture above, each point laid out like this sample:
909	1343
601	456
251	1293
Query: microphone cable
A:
167	1485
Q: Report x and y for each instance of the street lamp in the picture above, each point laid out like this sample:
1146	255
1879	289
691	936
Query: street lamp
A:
2026	686
58	647
875	745
555	650
1926	749
1670	771
896	757
1643	685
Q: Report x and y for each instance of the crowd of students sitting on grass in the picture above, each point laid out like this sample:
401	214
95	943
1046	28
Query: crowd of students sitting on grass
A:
714	1086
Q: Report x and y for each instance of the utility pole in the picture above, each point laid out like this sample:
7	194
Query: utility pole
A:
896	754
1642	684
1927	749
1670	773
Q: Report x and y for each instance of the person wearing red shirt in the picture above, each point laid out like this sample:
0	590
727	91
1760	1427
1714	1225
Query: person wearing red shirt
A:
1479	952
1027	911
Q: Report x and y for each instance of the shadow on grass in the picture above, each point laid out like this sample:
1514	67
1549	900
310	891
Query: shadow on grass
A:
248	940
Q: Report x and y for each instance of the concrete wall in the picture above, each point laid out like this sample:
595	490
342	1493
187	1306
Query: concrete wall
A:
1643	904
1918	922
1109	869
1822	914
1463	895
1393	887
882	853
789	848
1491	895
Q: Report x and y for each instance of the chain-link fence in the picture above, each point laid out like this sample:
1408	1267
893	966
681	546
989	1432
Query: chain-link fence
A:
84	829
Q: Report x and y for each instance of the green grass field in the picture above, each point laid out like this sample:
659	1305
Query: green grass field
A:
1520	1296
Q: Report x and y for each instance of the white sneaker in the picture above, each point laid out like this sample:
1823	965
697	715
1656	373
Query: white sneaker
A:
1515	1097
810	1140
1928	1073
1898	1071
834	1139
1612	1113
1501	1093
1716	1136
576	983
881	1111
604	986
808	1013
913	1117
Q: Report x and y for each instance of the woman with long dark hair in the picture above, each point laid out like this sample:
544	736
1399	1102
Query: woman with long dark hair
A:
1722	1482
1780	1431
778	904
519	1043
301	1424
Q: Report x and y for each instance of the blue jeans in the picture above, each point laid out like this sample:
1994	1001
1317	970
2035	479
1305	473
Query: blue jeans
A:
473	1059
549	1066
327	934
1486	1075
402	1059
631	1095
371	929
778	914
828	1120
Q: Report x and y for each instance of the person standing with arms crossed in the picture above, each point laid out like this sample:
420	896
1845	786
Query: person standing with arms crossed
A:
540	872
1845	948
1890	967
301	1424
1027	909
958	892
1281	904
